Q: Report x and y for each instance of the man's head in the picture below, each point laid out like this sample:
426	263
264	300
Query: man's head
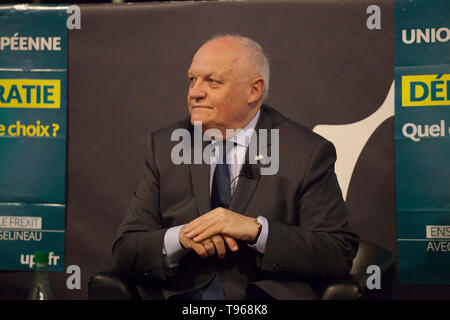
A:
228	81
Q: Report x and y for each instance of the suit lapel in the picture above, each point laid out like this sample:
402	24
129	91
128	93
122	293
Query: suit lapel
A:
200	174
246	185
243	193
200	183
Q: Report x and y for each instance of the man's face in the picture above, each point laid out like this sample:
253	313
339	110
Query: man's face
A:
219	86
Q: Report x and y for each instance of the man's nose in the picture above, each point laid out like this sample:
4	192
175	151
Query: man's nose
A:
196	91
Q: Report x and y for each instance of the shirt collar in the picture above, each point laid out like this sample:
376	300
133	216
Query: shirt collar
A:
243	136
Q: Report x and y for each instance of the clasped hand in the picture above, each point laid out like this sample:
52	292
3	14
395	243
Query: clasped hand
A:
208	234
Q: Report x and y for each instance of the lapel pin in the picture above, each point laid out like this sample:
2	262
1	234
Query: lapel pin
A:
259	157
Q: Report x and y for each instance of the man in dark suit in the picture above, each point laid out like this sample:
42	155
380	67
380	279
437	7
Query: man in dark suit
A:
224	229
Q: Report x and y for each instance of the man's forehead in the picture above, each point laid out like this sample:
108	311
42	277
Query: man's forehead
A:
217	59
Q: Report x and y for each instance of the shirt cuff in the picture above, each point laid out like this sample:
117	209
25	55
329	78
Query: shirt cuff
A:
172	249
260	244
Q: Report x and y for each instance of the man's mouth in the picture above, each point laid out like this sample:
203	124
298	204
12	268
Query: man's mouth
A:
201	107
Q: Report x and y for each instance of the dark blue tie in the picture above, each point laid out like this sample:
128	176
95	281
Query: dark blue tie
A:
221	189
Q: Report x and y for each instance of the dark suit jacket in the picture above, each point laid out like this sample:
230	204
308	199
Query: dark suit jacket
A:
309	238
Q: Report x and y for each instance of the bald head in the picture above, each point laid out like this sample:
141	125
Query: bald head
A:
226	85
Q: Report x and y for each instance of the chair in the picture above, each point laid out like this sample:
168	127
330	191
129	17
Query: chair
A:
355	286
110	286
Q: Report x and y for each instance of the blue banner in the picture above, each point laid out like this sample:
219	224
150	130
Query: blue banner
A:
422	139
33	105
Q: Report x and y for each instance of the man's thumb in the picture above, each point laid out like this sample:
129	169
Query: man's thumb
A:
231	243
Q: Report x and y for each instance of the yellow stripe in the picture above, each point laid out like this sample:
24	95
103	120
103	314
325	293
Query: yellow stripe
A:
30	93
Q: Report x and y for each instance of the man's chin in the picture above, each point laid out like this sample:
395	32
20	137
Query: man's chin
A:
196	118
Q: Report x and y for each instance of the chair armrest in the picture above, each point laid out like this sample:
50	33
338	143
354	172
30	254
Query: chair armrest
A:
342	290
110	286
355	286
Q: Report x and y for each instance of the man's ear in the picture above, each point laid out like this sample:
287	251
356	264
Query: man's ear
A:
256	90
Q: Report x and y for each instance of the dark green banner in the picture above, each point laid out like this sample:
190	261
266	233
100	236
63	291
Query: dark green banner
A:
33	105
422	139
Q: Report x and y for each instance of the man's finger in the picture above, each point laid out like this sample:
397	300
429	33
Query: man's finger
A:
196	222
208	233
191	225
209	247
200	250
201	220
231	243
200	229
220	246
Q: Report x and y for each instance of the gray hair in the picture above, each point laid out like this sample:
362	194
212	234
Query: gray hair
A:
256	55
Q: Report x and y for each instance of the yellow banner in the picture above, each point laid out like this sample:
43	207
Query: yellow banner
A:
30	93
426	90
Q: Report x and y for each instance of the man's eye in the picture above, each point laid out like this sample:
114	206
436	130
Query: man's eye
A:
192	81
